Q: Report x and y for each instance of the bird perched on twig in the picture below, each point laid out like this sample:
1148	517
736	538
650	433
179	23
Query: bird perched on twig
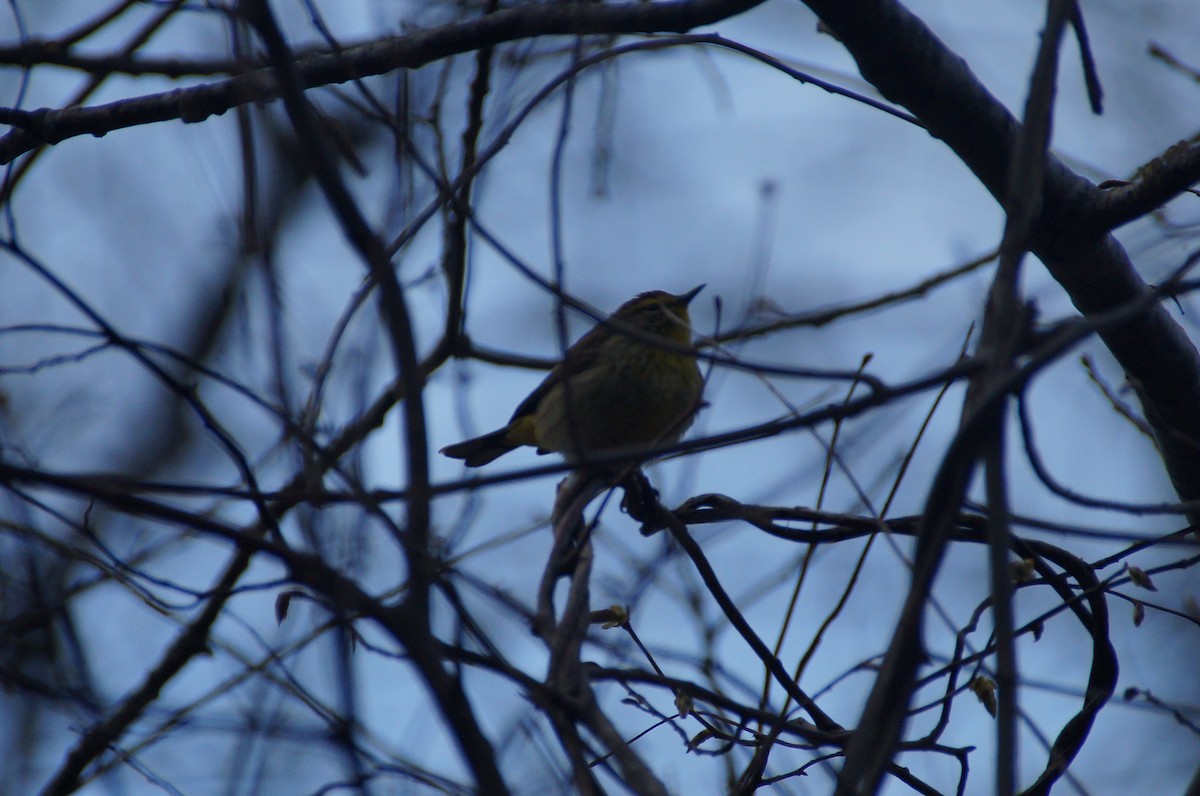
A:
631	382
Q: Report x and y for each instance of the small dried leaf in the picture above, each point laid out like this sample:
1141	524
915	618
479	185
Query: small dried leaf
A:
1140	578
984	689
1139	613
699	738
283	602
610	617
1022	570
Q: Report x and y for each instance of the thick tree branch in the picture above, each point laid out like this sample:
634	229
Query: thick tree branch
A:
897	53
910	66
35	128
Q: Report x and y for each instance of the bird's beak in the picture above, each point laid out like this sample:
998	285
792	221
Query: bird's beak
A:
686	298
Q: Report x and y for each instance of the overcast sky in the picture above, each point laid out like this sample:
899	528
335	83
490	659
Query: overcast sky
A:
781	197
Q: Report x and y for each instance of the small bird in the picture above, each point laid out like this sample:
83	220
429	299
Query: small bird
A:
615	389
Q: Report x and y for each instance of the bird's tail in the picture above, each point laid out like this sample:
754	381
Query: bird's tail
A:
481	450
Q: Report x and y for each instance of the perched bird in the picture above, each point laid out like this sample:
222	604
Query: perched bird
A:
624	385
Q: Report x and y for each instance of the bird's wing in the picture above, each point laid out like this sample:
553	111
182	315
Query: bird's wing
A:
579	356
